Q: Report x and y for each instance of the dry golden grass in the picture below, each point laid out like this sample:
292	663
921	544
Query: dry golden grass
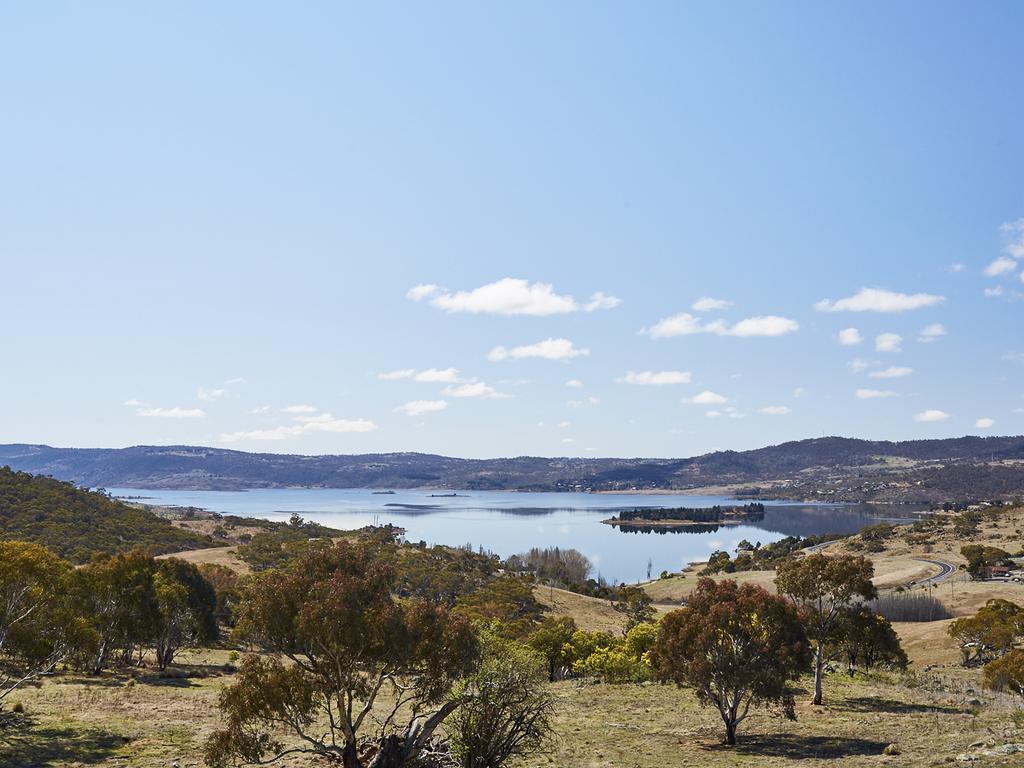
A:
225	556
589	613
654	726
151	722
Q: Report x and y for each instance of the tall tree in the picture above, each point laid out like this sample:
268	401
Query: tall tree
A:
346	637
867	638
552	641
119	597
186	609
824	588
738	646
39	624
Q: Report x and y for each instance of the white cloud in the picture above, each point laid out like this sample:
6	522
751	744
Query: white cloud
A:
849	337
422	291
685	324
859	364
712	414
958	267
564	424
133	403
298	409
708	304
874	394
767	325
656	378
892	372
438	376
997	291
888	342
879	300
775	410
304	425
429	376
473	389
210	394
984	423
236	380
549	349
799	392
421	407
707	397
682	324
508	296
260	409
171	413
931	333
325	422
402	373
1001	266
1015	244
568	440
931	415
602	301
1013	357
591	401
574	383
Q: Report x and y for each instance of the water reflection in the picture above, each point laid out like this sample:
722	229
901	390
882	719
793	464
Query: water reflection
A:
509	523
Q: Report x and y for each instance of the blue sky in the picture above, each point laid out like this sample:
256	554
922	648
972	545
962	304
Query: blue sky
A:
211	214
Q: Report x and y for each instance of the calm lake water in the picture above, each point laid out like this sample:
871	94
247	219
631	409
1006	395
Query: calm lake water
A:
508	523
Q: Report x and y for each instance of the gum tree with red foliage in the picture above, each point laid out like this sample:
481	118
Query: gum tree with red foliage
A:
737	646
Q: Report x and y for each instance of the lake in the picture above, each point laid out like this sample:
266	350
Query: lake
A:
508	522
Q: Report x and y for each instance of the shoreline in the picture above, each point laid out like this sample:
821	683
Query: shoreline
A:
616	523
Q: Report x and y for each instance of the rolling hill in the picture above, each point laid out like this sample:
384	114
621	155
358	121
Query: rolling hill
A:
77	524
834	467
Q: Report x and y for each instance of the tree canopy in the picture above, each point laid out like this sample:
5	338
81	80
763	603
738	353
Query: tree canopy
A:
824	589
335	618
737	646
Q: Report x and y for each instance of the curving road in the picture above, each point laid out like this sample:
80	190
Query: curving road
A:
946	569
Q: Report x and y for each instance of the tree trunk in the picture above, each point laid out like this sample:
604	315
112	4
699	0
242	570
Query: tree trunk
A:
101	657
350	756
730	733
392	752
819	665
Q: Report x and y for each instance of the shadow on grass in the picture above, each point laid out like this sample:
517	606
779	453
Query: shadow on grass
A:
94	682
24	742
795	747
169	682
873	704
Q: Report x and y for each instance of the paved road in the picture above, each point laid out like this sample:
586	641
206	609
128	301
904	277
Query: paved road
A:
818	547
946	570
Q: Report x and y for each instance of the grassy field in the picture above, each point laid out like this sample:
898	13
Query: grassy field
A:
150	722
933	714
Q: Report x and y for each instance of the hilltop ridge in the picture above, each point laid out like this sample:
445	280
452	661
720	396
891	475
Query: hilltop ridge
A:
837	468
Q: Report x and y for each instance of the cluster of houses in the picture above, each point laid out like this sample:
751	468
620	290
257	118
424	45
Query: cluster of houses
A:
1013	572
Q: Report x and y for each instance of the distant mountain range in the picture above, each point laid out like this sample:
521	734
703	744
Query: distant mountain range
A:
968	468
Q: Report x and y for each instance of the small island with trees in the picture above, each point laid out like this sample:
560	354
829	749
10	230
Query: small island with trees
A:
685	518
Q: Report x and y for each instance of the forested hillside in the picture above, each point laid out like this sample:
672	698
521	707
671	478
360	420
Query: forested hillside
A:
77	524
